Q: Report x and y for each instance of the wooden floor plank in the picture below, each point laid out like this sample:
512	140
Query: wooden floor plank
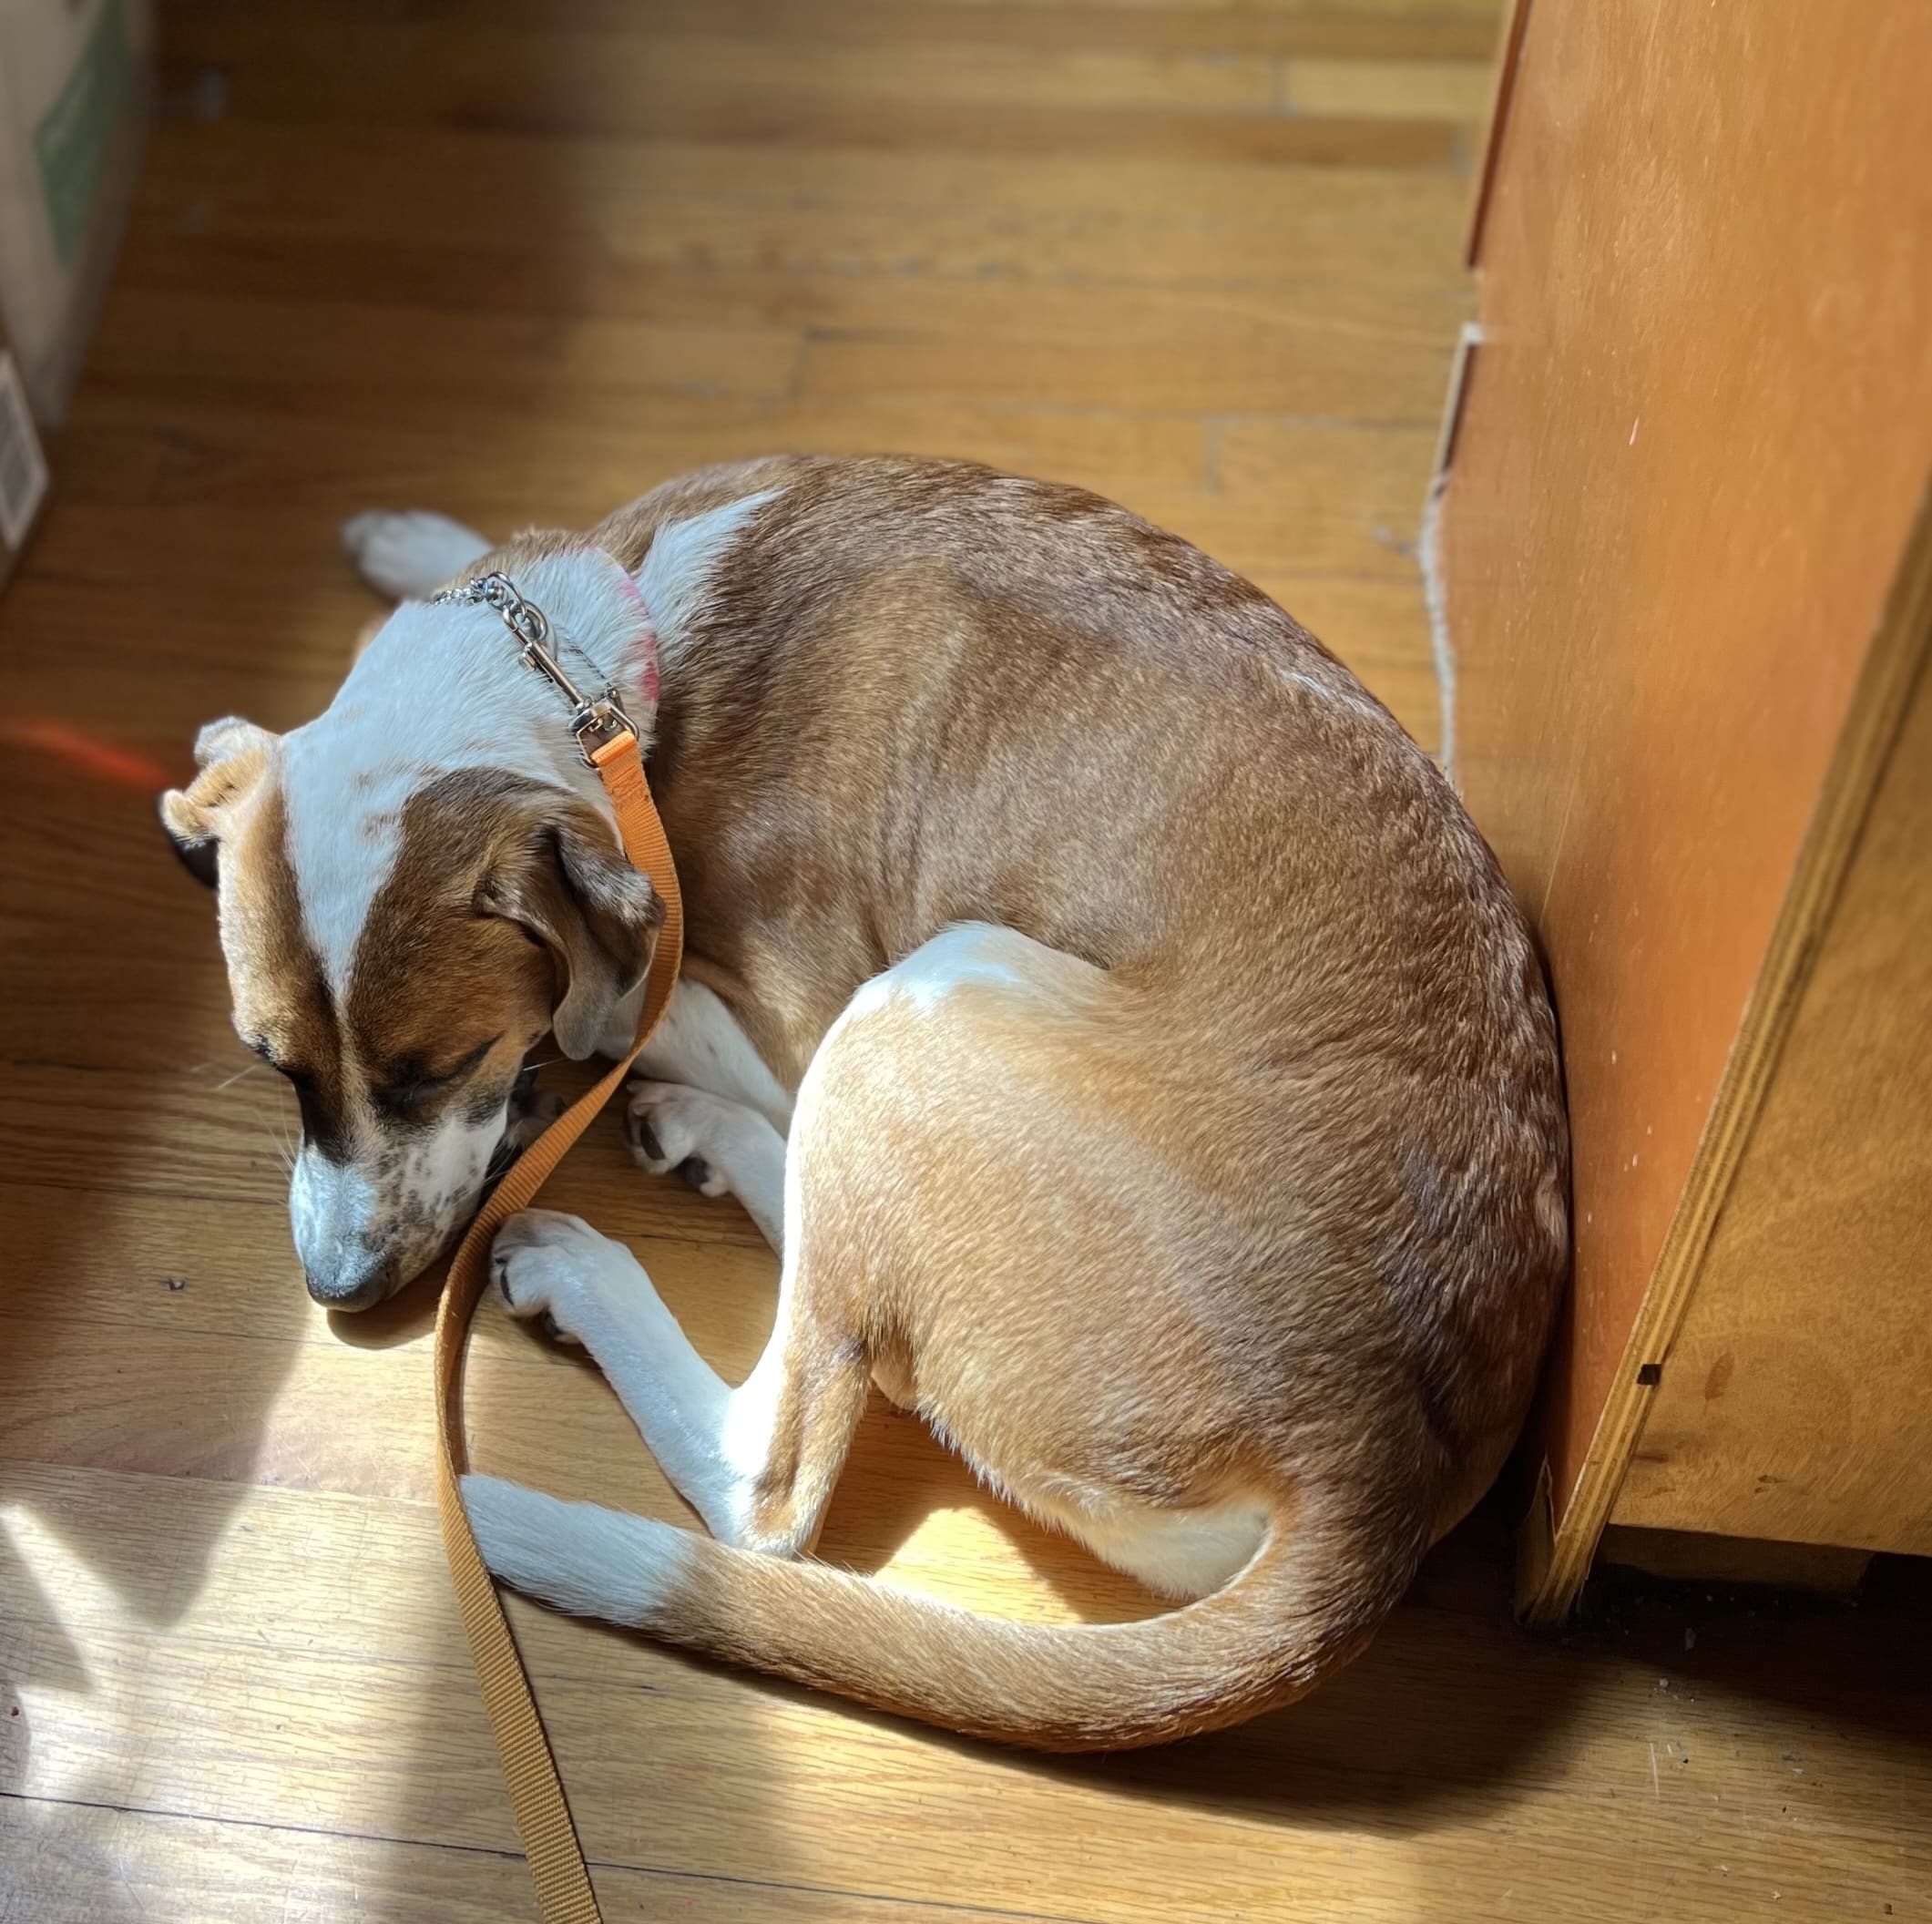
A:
1182	321
970	95
1454	90
1215	353
357	65
1313	29
723	203
1378	359
329	1616
1364	374
1202	256
91	1865
439	359
771	1800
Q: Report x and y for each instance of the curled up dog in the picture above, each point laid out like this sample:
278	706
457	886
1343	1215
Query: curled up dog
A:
1108	1013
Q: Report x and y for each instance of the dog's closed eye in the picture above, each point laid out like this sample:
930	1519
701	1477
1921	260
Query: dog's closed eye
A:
410	1085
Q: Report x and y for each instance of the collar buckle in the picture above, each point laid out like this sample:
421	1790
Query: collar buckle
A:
598	726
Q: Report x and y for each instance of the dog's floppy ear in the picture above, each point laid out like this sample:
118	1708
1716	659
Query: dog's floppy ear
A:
566	883
232	754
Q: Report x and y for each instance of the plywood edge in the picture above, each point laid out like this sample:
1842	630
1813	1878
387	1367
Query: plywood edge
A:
1899	646
1794	1404
1510	49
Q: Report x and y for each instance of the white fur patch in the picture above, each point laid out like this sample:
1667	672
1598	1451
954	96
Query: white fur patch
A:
440	688
676	577
743	1153
598	1292
1174	1552
330	1207
449	1162
700	1042
967	952
711	1442
407	554
577	1557
1329	692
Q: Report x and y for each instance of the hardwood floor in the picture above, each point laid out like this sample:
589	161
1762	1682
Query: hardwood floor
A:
1202	257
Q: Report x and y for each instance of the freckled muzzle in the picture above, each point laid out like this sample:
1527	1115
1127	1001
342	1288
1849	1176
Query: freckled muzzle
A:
366	1227
372	1266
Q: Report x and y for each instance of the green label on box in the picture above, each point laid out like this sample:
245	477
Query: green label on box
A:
72	141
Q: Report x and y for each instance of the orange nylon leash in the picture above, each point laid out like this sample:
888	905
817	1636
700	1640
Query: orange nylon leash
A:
551	1843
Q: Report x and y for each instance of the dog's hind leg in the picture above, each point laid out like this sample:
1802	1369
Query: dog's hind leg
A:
408	555
758	1463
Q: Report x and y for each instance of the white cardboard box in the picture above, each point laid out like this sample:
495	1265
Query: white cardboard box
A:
74	90
23	465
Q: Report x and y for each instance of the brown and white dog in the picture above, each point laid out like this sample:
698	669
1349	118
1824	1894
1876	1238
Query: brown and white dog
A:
1108	1013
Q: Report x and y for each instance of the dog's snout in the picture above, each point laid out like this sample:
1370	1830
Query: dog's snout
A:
353	1285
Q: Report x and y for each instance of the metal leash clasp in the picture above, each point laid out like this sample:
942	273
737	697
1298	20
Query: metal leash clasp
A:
594	720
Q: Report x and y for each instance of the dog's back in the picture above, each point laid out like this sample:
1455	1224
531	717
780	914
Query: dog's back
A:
1206	1186
1177	1125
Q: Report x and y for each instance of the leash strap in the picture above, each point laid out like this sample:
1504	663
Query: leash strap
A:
551	1843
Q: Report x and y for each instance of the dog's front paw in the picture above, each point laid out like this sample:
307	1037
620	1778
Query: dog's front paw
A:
544	1263
672	1127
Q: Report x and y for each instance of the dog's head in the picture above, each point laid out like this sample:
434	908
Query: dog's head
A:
401	925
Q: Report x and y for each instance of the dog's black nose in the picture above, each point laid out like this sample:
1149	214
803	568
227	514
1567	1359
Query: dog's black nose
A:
354	1284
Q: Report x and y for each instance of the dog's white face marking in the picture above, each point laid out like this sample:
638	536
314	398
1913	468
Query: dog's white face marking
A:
342	840
330	1207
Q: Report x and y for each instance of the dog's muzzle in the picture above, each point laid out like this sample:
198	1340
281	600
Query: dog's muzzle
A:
357	1284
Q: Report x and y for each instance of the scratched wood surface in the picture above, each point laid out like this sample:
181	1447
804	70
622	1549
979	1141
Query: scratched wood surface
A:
1201	257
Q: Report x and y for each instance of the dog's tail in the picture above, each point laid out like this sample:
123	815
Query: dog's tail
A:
1302	1608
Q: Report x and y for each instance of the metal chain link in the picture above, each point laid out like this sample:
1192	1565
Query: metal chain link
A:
593	719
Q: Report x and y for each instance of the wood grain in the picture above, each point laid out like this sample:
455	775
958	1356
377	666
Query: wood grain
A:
93	1864
1424	30
1666	552
573	211
1793	1403
327	1614
1452	90
224	1621
801	88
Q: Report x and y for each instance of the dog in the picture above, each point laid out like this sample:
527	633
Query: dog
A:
1109	1015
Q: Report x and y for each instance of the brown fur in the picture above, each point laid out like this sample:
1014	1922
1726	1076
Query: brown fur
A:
1288	1176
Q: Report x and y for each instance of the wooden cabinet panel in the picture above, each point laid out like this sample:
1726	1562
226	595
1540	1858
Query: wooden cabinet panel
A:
1796	1401
1692	443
